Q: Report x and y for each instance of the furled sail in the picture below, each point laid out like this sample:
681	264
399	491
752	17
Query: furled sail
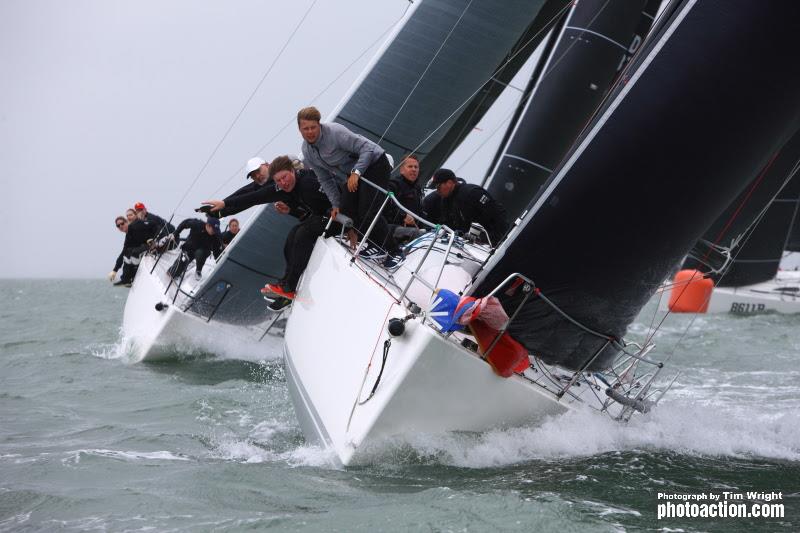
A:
703	106
592	48
756	250
254	257
445	67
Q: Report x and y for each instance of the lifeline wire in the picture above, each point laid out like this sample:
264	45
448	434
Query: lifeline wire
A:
247	102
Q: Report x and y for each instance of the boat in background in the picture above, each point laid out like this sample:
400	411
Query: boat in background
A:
735	267
223	312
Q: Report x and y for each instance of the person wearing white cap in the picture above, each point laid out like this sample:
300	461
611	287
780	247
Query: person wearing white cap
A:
257	170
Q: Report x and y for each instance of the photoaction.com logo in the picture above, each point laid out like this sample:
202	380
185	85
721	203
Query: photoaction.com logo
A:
720	505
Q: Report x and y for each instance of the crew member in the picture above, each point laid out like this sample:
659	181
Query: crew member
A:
257	170
162	226
340	157
458	204
130	215
230	233
408	192
128	270
203	240
138	236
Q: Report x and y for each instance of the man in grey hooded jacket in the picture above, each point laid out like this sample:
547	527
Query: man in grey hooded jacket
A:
340	157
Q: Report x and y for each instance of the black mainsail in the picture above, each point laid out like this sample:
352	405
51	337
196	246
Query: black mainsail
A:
703	106
592	48
441	73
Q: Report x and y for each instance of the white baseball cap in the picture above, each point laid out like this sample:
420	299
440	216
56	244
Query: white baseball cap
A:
253	164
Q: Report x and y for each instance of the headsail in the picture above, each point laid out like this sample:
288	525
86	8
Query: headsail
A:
592	48
253	258
451	58
704	105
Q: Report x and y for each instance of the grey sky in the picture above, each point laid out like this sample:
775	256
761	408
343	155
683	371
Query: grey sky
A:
104	103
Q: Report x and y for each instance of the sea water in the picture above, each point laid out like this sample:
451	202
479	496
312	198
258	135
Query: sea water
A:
92	442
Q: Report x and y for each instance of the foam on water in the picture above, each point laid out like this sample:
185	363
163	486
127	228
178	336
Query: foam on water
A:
74	457
679	426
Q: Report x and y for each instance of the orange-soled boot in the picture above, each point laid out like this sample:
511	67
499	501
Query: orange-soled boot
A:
277	290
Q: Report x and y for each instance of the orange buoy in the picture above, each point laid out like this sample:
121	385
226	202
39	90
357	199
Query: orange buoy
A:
690	292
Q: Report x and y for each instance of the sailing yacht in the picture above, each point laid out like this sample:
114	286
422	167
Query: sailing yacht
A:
222	312
371	354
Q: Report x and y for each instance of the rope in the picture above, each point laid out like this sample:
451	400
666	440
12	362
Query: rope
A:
319	94
495	73
386	345
748	233
427	67
247	102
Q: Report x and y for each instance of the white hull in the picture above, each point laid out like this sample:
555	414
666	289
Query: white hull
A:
430	384
152	335
779	295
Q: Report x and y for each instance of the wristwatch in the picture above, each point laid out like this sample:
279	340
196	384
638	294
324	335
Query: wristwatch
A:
356	171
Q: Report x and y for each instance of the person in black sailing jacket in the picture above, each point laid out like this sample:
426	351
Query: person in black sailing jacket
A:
257	170
458	204
162	227
408	192
128	270
297	193
203	240
231	232
139	234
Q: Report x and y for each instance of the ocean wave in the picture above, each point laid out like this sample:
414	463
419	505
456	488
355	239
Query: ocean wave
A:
75	456
680	426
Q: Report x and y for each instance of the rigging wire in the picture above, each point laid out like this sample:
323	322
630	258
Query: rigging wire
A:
544	75
747	234
427	67
495	73
291	120
247	102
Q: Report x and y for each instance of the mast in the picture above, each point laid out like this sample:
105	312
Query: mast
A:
701	110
